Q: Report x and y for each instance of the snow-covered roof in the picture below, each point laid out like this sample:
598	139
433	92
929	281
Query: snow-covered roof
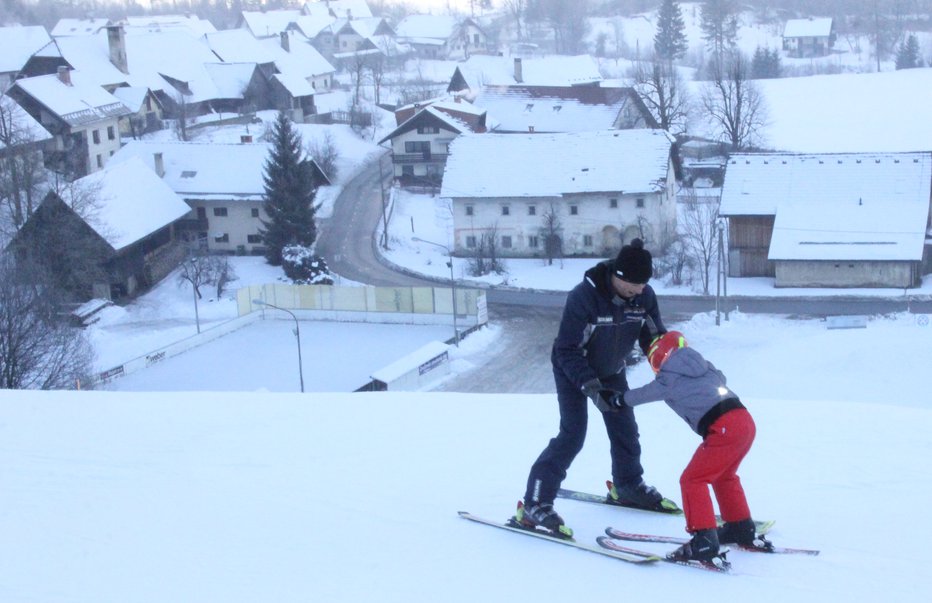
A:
17	126
552	165
311	25
341	9
269	23
205	170
76	104
132	202
294	84
149	57
557	70
238	46
427	27
301	59
808	28
19	43
759	183
190	24
552	109
79	27
131	96
231	79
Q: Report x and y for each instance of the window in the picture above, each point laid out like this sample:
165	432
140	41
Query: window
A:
506	242
532	210
469	210
506	210
254	239
254	212
223	238
640	202
111	135
613	203
475	39
220	212
533	242
574	210
587	240
96	136
407	170
471	242
428	130
417	146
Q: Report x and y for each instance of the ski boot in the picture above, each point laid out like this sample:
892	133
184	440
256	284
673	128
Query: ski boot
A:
743	533
538	515
702	547
640	496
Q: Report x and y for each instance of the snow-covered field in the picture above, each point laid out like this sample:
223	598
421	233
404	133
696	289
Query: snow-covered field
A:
260	496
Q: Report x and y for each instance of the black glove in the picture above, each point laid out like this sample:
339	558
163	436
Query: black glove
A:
606	400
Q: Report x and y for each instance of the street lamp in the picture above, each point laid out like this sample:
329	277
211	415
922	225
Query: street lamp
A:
297	332
456	333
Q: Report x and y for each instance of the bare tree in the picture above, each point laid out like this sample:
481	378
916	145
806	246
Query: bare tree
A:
516	10
197	269
551	232
699	229
38	350
663	90
734	104
22	174
325	153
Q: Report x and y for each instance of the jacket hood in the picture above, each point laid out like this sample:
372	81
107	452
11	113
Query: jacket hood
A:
600	275
687	362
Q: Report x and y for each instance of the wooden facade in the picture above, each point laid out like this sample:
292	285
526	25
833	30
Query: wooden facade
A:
749	244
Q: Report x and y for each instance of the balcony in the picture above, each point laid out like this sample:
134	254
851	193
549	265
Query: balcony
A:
440	158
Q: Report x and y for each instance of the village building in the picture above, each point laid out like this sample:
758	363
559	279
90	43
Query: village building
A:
128	228
829	220
572	194
442	36
812	37
222	184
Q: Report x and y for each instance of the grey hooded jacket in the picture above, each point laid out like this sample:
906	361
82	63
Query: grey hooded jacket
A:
688	383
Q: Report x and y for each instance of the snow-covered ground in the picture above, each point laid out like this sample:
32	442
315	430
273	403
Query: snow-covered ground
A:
261	496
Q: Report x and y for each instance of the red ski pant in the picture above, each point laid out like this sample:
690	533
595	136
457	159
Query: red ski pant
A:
715	463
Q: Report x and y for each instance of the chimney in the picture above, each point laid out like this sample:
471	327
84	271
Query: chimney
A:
530	129
159	165
116	40
286	41
519	72
64	74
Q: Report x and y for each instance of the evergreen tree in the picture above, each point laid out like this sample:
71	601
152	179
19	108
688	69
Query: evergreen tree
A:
719	23
907	56
290	187
670	40
766	64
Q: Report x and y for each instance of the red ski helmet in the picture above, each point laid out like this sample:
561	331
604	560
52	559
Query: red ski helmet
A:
662	346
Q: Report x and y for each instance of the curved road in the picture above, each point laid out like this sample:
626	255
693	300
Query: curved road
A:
528	319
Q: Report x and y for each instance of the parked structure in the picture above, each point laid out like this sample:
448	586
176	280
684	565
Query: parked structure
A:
829	220
591	190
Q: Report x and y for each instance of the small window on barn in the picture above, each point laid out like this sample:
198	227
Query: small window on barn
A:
188	174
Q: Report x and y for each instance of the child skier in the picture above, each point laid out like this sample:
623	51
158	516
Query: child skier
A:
696	391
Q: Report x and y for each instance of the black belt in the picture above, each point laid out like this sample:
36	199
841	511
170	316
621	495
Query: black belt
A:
717	411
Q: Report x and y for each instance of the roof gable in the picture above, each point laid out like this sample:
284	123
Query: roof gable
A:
808	28
18	43
75	104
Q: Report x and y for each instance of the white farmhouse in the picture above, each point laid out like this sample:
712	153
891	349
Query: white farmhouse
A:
591	191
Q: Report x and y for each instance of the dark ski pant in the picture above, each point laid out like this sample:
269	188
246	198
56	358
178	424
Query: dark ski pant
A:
549	470
716	463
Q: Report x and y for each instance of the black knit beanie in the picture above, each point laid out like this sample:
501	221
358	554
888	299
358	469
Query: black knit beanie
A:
634	263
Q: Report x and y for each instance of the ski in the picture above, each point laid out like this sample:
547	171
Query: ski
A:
765	545
515	527
669	507
719	565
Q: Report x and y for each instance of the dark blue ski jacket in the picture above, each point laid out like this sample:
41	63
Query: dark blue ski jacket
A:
599	328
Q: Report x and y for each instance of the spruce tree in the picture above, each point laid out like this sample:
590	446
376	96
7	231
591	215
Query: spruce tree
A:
670	40
719	24
290	188
907	56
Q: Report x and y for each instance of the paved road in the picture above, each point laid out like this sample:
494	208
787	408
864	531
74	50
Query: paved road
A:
529	319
